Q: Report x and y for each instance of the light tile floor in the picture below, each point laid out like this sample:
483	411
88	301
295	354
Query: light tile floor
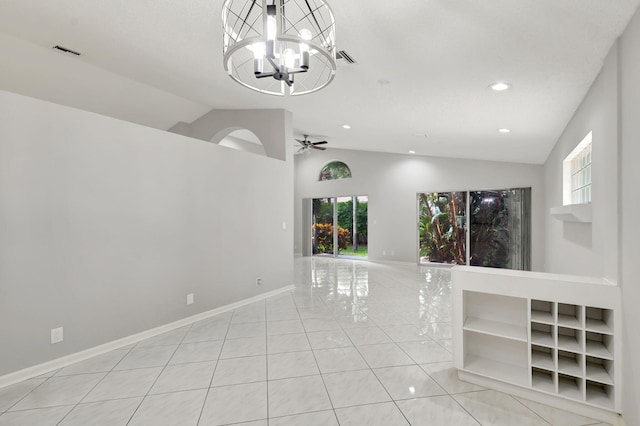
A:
356	343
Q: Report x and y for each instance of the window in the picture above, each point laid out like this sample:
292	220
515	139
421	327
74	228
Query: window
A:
577	174
477	228
335	170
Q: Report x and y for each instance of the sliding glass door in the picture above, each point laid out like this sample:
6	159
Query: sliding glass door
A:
500	228
339	226
496	231
442	224
322	226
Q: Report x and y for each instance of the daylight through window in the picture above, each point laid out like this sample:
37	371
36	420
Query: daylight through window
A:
577	174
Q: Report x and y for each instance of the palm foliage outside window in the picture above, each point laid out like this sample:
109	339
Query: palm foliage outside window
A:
335	170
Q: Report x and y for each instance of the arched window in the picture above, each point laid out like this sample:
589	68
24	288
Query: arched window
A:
335	170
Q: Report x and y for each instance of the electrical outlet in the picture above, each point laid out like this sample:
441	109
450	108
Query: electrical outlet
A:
57	335
190	299
258	281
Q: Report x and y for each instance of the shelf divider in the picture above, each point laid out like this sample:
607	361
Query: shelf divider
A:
496	328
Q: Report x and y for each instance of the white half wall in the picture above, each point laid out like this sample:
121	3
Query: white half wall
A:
106	226
392	183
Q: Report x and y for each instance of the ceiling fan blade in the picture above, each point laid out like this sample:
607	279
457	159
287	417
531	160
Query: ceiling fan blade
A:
303	143
319	143
321	148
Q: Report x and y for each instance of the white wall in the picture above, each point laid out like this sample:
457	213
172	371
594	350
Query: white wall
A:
609	246
106	226
630	203
592	248
392	182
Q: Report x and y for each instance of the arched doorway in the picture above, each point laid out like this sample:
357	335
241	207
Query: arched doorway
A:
243	140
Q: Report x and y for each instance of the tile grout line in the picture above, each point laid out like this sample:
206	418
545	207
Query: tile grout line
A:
524	405
465	410
333	408
96	385
47	379
266	355
376	376
215	368
161	371
366	362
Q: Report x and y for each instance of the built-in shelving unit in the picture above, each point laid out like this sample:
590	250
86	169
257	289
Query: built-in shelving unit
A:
547	333
580	364
497	341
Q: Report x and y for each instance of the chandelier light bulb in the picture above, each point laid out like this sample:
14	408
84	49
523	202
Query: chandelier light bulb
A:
272	25
289	58
258	50
305	34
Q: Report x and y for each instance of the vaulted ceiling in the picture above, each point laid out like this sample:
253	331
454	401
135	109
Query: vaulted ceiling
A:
420	81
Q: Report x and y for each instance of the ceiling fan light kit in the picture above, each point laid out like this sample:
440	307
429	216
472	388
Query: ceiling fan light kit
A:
279	47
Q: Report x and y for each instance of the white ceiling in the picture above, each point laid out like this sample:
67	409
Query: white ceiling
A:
157	62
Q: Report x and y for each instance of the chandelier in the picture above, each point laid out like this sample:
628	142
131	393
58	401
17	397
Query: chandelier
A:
279	46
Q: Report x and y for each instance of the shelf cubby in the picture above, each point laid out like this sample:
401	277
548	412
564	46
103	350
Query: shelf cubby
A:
599	320
483	316
570	339
495	356
570	386
599	370
542	335
543	380
600	394
570	315
543	357
542	312
599	345
570	363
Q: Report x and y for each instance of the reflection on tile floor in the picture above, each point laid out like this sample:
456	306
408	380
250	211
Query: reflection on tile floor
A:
356	343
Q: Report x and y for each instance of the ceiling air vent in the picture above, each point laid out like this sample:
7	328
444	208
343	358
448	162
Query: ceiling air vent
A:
342	54
65	50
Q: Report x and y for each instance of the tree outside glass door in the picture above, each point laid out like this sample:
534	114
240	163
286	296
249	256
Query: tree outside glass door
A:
340	227
478	228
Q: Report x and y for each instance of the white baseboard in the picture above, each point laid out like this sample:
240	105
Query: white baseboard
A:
37	370
392	262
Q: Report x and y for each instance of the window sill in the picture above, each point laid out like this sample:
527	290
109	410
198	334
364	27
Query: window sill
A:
572	213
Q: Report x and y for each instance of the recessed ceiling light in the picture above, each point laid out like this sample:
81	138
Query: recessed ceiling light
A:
500	86
346	126
412	152
504	130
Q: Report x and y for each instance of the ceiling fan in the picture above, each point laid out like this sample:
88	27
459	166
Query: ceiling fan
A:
307	145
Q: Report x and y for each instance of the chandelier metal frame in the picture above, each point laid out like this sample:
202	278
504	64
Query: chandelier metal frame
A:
293	39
